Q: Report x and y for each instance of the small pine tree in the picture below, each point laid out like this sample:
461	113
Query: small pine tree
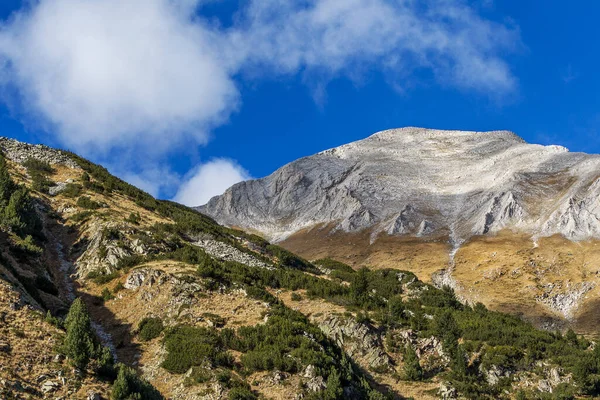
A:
412	367
459	362
334	389
360	285
79	342
106	363
7	185
129	386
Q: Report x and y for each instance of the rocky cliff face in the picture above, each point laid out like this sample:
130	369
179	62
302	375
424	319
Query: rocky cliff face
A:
425	183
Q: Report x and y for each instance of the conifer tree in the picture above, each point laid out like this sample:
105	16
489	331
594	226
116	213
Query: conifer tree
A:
334	388
79	342
412	367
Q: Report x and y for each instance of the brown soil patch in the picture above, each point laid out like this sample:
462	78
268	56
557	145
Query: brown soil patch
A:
401	252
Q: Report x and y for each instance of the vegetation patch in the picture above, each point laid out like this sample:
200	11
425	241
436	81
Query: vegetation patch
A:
150	328
87	203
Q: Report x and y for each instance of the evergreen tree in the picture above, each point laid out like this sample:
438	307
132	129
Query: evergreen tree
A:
334	388
128	386
360	285
412	367
445	326
7	186
79	342
459	363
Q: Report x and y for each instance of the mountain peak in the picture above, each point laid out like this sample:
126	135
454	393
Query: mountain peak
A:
451	179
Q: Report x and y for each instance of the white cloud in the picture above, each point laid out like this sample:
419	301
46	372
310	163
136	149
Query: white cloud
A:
208	180
112	77
112	73
335	37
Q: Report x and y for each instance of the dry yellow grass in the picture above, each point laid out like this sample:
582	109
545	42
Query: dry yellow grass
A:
32	346
506	271
423	257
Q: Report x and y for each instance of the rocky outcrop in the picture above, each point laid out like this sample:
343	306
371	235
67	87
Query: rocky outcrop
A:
359	340
145	277
428	349
19	152
227	252
564	300
103	251
425	183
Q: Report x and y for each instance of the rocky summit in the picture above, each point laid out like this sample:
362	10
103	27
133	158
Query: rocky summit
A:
424	182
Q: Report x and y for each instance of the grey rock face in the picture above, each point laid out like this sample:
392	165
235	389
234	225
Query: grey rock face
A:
357	339
423	182
226	252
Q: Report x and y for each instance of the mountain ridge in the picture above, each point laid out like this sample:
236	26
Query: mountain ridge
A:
424	182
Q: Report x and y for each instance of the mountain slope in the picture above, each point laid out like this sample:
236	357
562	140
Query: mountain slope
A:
441	204
94	271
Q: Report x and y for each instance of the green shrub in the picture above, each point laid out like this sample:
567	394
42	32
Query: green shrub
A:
134	218
54	321
193	346
129	386
26	246
150	328
38	172
241	393
106	295
128	262
81	216
72	190
296	297
101	278
118	287
412	368
33	164
87	203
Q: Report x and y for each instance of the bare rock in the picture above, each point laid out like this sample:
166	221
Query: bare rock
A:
50	387
424	182
4	347
227	252
93	396
446	391
20	152
316	384
357	339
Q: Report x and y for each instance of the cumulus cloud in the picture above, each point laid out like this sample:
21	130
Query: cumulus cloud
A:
106	73
208	180
110	76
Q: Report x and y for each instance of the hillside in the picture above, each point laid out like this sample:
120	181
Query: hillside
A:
506	223
109	293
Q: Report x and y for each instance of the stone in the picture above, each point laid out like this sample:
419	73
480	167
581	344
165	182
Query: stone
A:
309	372
356	339
50	387
544	386
227	252
93	396
56	189
316	384
446	391
20	152
4	347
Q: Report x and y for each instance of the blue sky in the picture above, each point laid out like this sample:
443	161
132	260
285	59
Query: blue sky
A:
186	97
